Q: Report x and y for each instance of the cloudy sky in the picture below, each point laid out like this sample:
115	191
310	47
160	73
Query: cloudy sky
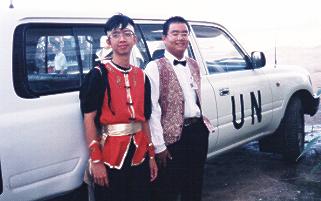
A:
264	22
255	23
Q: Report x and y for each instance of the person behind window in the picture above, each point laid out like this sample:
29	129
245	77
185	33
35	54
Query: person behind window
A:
60	61
122	159
105	51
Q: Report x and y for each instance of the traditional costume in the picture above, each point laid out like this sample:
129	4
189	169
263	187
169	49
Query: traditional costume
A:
123	146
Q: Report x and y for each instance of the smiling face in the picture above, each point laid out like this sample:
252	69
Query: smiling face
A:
176	40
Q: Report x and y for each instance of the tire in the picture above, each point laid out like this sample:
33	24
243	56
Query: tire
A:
288	139
292	127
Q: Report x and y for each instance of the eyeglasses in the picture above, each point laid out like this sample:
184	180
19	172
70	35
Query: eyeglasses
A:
176	34
126	34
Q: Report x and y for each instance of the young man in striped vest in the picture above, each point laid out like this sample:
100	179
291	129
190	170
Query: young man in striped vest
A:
179	130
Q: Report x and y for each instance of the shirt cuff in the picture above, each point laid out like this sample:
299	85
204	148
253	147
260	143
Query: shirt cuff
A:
160	148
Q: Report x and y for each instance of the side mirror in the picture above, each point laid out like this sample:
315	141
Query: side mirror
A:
258	59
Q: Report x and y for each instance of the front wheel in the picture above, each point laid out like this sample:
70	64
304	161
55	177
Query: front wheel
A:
288	139
292	130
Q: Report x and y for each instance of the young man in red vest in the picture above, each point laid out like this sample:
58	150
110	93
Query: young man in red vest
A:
122	157
179	130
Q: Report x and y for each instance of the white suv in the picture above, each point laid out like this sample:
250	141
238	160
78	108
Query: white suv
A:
43	151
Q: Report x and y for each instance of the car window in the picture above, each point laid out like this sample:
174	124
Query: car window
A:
218	50
53	59
140	52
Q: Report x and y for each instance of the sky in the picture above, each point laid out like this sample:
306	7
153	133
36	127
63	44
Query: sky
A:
255	23
266	22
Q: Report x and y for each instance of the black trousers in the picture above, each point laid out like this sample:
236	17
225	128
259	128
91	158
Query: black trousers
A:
184	173
130	183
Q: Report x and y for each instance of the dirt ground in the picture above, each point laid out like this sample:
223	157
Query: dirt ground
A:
246	174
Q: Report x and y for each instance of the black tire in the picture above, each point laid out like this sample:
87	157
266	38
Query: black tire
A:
288	139
292	128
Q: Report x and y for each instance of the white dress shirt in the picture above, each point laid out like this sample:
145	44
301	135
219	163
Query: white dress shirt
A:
187	84
60	61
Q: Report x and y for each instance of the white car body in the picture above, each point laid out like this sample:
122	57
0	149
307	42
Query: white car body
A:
43	152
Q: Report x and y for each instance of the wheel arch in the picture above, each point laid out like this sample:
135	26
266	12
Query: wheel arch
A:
307	101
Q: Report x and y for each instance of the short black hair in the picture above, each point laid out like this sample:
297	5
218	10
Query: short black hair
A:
175	19
116	21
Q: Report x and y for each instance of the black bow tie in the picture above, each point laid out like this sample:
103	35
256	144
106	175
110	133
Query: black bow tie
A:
179	62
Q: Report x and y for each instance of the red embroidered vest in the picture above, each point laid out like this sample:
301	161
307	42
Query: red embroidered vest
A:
126	105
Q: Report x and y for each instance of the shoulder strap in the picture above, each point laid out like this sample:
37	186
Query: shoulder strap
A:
106	86
103	73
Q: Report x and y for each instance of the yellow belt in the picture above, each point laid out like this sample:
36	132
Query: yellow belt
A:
121	129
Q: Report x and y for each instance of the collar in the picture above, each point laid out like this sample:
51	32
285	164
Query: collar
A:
119	68
171	57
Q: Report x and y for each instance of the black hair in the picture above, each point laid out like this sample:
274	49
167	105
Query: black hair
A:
171	20
117	21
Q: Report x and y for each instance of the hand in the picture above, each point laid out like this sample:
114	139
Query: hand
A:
99	174
153	169
162	158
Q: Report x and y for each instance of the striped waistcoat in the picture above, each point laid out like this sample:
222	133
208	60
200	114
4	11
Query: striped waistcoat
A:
172	99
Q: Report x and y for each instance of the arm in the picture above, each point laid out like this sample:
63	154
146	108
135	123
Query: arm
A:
63	63
162	153
146	130
90	103
97	167
155	118
151	152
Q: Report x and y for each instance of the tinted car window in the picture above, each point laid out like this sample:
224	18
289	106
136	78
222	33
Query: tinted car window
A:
218	50
53	58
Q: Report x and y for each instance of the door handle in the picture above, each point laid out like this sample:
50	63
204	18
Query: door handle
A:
224	91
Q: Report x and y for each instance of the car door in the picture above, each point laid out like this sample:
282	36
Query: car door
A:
243	95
